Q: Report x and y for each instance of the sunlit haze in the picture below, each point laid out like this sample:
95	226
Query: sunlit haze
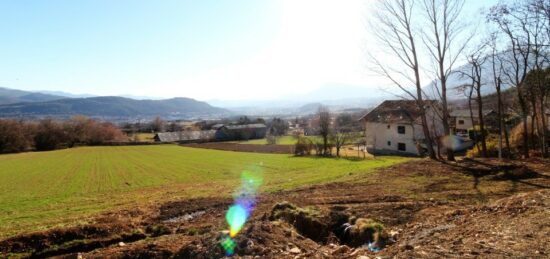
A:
227	50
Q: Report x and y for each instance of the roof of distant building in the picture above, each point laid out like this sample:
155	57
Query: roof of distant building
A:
466	113
246	126
396	111
186	135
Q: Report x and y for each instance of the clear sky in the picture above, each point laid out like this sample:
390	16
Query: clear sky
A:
204	49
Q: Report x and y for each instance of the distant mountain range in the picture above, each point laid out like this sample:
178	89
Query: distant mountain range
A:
457	79
67	95
9	96
22	104
337	97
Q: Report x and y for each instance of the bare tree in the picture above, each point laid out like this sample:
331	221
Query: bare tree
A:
445	46
277	128
497	69
342	133
541	42
395	29
515	23
468	90
477	65
324	128
157	125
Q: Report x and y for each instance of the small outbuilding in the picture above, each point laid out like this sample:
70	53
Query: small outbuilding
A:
191	136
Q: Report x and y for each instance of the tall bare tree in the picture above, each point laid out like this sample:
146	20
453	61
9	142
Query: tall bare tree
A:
396	27
476	59
445	42
514	22
497	69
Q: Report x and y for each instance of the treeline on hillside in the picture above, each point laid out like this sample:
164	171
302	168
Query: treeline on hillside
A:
48	134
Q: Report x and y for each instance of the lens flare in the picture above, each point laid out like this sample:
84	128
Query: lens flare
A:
236	217
228	245
453	142
238	213
373	248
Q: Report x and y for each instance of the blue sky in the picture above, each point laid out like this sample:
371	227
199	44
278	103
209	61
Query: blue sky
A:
238	49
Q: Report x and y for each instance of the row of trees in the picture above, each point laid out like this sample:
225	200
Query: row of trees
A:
156	125
335	132
430	37
48	134
277	127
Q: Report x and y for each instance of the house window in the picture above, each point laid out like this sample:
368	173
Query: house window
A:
401	129
389	143
401	147
388	126
460	122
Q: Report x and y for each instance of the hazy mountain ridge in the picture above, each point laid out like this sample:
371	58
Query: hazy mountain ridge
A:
336	97
9	96
113	107
458	78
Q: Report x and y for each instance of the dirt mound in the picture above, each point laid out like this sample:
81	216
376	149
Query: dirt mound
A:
516	226
307	221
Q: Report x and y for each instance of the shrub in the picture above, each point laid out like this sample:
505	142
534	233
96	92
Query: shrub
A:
14	136
49	135
303	146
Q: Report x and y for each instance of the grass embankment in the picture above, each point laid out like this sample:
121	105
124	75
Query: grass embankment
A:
43	189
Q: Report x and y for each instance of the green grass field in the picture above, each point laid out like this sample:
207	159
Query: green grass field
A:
39	190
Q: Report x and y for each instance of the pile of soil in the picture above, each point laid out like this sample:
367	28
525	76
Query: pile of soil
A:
516	226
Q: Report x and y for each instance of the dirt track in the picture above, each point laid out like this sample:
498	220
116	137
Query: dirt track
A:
432	209
228	146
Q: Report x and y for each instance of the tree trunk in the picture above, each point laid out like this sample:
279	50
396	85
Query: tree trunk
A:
544	128
446	128
534	126
481	121
427	136
472	117
524	114
500	119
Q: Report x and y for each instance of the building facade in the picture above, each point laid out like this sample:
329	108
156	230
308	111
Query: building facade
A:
395	127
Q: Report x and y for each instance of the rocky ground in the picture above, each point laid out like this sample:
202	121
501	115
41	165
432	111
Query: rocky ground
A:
428	209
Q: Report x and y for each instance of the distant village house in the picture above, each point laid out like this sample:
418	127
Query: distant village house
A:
395	127
462	120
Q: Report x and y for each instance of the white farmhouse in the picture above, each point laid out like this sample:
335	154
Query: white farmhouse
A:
395	127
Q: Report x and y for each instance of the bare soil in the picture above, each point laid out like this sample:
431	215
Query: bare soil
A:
228	146
430	209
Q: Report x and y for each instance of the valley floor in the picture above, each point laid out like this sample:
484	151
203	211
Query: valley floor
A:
41	190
